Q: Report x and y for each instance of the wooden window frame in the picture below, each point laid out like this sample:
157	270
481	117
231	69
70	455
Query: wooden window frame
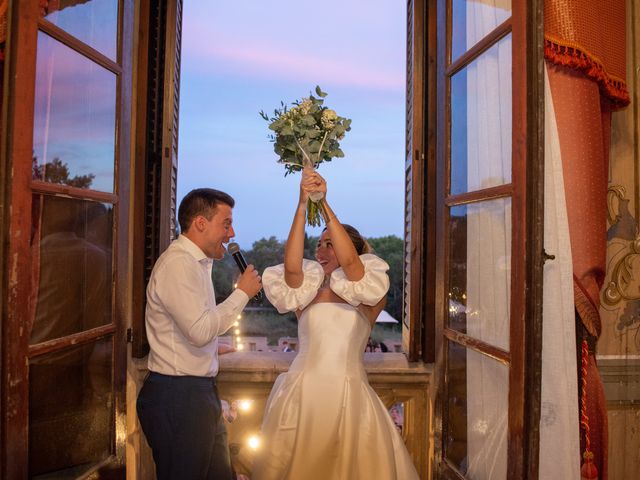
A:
18	187
526	192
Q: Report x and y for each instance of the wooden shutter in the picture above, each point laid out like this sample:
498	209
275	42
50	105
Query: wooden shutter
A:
414	181
156	173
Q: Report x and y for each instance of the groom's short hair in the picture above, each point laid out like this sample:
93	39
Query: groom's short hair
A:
201	201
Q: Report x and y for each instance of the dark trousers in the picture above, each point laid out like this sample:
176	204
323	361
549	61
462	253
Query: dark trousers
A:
181	416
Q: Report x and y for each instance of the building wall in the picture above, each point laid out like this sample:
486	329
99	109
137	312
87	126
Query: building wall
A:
619	344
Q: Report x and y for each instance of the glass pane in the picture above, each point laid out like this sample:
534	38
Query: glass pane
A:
480	270
71	424
481	121
397	415
72	257
475	430
94	23
472	20
75	119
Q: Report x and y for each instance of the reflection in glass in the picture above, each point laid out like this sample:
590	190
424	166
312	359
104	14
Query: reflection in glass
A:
94	23
472	20
397	415
75	119
475	429
481	121
480	270
71	243
71	423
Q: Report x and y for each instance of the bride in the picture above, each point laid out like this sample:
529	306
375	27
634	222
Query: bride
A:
323	420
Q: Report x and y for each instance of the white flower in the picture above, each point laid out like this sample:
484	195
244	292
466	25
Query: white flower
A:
328	119
305	106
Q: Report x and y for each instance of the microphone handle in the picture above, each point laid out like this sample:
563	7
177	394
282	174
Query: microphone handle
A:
242	266
239	259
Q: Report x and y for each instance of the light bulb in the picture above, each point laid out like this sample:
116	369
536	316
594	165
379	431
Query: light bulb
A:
244	405
253	442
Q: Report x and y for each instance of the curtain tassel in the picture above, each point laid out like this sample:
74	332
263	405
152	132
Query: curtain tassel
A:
588	471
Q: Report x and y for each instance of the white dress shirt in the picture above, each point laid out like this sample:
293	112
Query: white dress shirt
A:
182	319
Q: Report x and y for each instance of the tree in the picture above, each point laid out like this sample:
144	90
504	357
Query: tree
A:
270	251
58	172
391	250
265	253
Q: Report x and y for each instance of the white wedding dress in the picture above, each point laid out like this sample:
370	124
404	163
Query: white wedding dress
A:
323	420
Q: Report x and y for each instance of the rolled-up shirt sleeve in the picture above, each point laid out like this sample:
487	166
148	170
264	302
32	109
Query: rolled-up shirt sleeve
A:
185	295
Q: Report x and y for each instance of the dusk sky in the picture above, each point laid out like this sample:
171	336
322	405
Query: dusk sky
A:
242	57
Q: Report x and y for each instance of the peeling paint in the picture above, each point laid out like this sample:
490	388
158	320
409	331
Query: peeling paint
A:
13	275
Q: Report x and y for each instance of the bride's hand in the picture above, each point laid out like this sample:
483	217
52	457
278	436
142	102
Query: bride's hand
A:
313	182
305	184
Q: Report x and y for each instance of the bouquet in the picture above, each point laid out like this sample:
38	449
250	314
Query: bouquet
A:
306	135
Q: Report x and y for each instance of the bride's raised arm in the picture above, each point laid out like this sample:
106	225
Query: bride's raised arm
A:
294	248
343	247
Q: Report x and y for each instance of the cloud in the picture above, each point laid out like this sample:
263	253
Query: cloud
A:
253	56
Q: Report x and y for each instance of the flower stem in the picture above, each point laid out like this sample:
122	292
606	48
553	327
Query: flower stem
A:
303	152
322	145
313	214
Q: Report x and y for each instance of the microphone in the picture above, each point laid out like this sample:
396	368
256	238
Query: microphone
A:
234	250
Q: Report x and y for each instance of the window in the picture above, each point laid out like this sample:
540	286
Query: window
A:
488	248
453	189
65	352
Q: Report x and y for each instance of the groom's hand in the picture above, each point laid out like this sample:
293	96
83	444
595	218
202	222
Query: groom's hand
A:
250	282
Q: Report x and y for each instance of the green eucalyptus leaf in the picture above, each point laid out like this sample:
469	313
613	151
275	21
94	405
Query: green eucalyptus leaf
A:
308	120
320	92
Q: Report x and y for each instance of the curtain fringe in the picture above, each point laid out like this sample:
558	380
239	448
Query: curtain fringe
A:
576	58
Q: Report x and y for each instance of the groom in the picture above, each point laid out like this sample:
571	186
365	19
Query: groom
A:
178	406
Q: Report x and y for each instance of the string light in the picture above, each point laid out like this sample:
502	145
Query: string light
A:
236	324
237	331
254	442
240	347
244	405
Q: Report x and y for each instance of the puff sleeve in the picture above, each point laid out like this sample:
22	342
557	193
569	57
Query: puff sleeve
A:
370	289
285	298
